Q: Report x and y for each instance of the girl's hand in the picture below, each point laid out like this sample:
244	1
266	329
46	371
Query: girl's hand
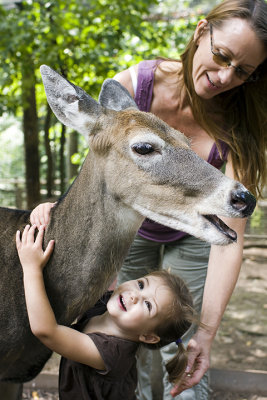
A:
40	215
30	251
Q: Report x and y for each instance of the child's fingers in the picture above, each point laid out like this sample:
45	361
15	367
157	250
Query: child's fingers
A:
41	220
46	212
41	214
25	234
36	217
48	251
40	236
30	234
18	241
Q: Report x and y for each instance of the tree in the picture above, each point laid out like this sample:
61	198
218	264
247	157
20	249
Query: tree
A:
84	41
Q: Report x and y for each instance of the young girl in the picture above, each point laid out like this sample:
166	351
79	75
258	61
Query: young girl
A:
98	352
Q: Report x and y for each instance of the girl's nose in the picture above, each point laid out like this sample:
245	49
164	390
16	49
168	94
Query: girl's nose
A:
134	297
226	75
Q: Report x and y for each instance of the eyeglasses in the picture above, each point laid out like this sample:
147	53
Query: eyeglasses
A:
224	62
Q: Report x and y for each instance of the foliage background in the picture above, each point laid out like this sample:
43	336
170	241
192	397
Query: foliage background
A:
86	41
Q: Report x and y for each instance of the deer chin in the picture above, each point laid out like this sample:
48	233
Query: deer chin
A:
209	228
221	226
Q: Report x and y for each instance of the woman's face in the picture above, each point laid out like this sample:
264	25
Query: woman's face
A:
235	41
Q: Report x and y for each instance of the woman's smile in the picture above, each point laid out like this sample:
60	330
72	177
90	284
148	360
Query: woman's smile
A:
211	84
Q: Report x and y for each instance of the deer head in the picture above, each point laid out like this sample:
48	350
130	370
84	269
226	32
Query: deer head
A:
149	166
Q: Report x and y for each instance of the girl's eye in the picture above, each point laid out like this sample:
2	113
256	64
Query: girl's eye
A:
140	284
148	304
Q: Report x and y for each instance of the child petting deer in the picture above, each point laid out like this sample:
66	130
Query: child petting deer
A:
98	352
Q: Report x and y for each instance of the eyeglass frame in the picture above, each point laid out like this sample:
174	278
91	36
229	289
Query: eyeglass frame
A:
251	78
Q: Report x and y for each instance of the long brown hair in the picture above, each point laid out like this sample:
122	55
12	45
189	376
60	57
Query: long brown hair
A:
241	113
178	319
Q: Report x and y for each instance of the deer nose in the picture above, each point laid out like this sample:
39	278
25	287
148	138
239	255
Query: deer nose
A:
243	201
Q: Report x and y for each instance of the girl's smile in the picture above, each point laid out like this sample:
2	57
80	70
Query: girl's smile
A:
122	303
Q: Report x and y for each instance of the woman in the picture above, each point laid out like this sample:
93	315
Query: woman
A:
215	93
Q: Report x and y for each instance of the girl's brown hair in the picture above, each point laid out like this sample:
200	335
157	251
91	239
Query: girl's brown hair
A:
178	319
238	116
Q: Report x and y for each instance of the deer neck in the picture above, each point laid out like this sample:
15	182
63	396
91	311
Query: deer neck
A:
93	231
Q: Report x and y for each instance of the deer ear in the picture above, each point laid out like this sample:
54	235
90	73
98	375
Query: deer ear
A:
115	97
71	105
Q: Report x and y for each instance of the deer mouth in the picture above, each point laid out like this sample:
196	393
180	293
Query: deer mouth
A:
222	227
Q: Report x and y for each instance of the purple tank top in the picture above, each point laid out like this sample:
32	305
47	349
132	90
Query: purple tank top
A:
145	81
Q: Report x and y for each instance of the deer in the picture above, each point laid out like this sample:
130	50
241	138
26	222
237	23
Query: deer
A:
137	167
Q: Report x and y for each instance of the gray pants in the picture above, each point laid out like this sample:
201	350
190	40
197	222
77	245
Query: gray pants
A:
187	258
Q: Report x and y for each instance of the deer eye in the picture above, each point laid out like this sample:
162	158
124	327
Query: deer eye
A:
143	148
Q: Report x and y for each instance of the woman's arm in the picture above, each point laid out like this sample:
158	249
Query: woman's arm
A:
124	77
223	270
67	342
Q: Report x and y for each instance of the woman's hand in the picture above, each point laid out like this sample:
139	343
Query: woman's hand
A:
40	215
198	361
30	251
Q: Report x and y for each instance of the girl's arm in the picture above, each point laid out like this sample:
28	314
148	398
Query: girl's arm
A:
66	341
223	271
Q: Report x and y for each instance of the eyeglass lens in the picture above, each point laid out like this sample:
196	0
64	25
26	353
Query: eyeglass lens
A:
219	59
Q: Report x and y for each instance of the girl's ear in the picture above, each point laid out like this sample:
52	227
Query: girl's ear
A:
201	26
151	338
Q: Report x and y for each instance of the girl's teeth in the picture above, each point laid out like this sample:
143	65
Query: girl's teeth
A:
123	303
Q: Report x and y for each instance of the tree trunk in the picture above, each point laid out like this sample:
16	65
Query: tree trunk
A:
49	171
62	159
31	140
72	149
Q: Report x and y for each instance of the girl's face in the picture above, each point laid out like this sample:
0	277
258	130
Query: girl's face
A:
237	43
138	306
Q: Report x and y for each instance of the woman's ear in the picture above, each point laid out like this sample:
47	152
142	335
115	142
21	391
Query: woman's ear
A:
201	26
151	338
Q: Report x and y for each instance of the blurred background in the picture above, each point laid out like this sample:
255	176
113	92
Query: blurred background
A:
87	42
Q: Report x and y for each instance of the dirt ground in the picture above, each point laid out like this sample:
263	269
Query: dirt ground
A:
241	342
52	395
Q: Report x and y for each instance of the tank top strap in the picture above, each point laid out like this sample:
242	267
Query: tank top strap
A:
145	83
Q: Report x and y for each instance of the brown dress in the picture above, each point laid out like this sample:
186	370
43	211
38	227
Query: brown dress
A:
118	380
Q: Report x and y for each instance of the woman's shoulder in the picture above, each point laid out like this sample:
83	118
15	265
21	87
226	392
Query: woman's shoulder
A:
170	66
124	77
164	70
168	72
